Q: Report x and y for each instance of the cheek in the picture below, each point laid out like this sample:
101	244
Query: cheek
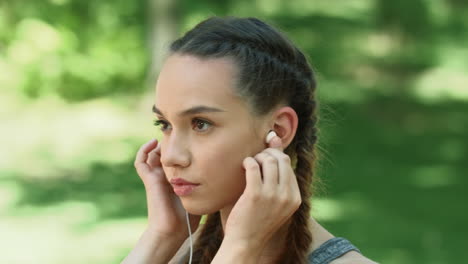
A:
222	161
228	151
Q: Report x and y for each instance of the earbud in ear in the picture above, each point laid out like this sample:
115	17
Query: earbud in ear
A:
270	136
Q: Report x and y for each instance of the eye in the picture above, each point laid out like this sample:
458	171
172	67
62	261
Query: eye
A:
200	125
164	125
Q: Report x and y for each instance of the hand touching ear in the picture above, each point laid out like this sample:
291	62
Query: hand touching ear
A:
275	142
270	198
166	214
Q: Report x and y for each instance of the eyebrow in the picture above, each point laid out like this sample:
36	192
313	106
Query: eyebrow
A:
192	110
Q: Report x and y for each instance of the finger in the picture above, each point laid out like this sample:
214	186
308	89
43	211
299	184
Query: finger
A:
158	149
285	172
252	174
142	156
294	189
154	157
276	143
288	184
269	166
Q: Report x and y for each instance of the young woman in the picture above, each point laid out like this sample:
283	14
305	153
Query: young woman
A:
225	85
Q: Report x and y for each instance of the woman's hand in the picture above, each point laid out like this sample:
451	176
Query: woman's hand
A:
270	198
166	214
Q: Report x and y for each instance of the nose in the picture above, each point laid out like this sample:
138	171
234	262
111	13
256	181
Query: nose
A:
175	151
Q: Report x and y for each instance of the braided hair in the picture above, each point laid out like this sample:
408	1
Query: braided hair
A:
271	71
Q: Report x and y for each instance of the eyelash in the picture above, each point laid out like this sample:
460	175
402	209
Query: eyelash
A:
165	125
159	122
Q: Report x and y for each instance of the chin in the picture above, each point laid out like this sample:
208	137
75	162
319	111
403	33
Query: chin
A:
199	208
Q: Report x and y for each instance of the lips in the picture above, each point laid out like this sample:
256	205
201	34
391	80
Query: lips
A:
183	187
180	181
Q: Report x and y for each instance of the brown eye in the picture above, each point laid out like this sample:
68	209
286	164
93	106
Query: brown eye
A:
200	125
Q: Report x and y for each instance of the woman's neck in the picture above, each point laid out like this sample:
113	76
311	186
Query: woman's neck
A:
274	247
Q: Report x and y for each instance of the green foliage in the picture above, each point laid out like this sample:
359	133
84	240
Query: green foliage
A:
75	49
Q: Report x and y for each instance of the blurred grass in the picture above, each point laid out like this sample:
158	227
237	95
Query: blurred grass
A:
75	107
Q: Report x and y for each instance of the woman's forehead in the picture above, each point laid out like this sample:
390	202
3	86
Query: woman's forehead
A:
186	81
191	71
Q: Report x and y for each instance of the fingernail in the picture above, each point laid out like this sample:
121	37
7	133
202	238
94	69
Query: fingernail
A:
276	142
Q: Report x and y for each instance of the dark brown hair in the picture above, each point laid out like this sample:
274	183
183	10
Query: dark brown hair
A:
271	71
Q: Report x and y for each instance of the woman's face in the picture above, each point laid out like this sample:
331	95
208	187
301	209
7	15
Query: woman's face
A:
207	130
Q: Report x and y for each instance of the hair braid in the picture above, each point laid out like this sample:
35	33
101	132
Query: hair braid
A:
299	235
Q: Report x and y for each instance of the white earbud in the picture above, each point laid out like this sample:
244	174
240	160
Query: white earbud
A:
270	136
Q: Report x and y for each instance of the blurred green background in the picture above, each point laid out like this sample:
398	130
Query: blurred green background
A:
76	82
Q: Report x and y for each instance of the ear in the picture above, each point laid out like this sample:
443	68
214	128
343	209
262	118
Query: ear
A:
285	122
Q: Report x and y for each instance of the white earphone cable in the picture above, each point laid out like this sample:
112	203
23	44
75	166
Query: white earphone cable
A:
190	237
